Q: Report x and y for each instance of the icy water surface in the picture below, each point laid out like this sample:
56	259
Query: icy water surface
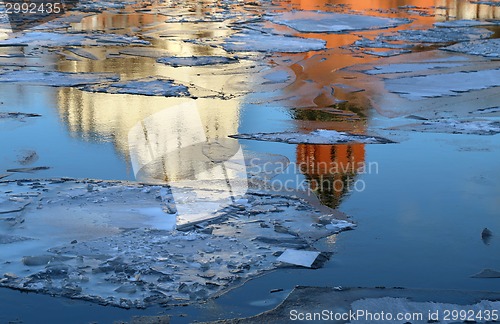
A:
420	206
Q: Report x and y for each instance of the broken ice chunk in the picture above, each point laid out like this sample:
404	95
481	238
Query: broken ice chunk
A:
251	41
176	61
320	136
320	22
299	257
147	87
485	47
56	79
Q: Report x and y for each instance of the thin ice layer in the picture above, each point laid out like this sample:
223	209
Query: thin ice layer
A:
56	79
439	85
486	47
146	87
320	136
320	22
251	41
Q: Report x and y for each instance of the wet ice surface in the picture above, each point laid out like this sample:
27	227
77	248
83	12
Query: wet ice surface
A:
115	242
196	60
465	23
438	85
55	79
487	47
439	35
474	127
320	136
51	39
252	41
149	87
320	22
410	67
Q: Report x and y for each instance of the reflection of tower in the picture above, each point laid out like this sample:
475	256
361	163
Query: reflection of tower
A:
331	169
456	9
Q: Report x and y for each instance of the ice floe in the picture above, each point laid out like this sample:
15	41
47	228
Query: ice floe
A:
320	136
55	79
439	35
410	67
473	127
252	41
53	39
486	47
151	86
438	85
465	23
114	242
177	61
321	22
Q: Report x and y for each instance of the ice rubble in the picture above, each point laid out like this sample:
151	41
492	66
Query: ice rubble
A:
487	47
321	22
55	79
438	85
114	242
53	39
320	136
472	127
252	41
176	61
151	86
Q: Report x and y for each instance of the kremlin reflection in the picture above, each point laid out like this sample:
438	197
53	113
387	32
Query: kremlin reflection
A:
98	116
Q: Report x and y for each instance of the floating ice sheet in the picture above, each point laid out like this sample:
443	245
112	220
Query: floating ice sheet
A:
146	87
465	23
299	257
176	61
387	53
438	85
409	67
439	35
475	127
113	243
53	39
320	22
487	47
56	79
320	136
251	41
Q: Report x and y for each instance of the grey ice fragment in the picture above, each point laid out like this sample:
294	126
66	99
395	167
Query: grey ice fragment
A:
176	61
320	136
487	273
29	170
250	41
485	47
299	257
321	22
465	23
55	79
151	86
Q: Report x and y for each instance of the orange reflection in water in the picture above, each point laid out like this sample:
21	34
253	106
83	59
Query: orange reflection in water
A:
331	169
